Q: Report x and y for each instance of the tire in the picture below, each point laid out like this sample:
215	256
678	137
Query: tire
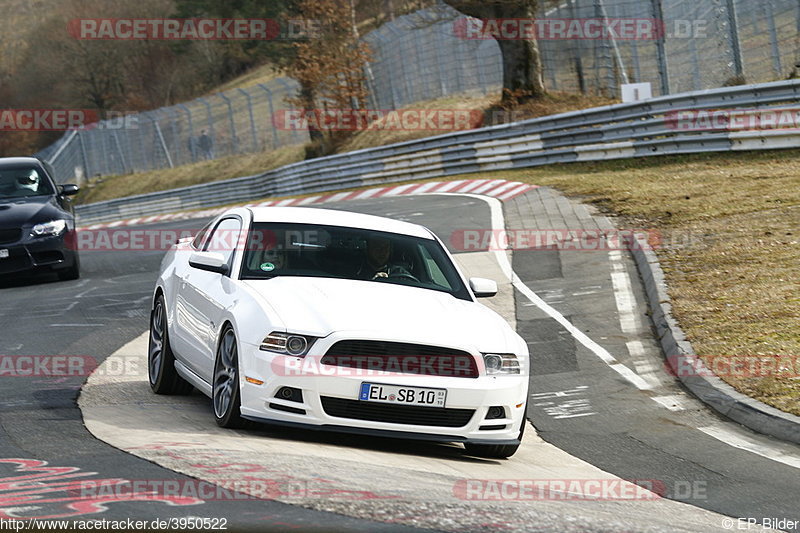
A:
161	373
71	273
497	451
226	396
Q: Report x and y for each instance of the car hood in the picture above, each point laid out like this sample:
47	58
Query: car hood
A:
16	212
321	306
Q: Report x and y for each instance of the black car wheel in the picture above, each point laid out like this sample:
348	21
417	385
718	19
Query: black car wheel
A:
163	377
74	272
225	395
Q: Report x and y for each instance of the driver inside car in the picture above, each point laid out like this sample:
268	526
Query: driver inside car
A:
377	261
26	184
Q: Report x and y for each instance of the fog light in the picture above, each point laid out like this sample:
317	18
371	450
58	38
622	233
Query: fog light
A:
495	412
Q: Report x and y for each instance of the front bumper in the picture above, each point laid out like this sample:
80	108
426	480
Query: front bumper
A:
330	401
30	253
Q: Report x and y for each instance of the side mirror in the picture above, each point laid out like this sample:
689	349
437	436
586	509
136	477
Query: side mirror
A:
69	189
209	261
483	288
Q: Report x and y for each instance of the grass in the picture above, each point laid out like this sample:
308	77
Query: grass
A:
731	254
223	168
110	187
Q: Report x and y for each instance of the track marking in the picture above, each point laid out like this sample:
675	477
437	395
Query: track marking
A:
751	445
498	225
673	402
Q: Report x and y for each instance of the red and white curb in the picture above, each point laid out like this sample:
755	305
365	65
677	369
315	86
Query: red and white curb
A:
501	189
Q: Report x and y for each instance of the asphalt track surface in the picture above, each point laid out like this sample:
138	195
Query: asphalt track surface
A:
578	403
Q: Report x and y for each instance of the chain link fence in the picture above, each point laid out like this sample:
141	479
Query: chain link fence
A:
702	44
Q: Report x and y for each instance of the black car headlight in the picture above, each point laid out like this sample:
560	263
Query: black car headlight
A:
49	229
501	363
287	343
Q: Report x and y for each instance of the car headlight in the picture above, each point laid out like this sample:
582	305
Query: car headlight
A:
287	343
47	229
501	363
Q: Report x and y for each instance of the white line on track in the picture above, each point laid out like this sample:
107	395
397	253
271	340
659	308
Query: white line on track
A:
751	445
498	224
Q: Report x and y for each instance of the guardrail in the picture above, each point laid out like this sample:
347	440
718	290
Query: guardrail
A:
610	132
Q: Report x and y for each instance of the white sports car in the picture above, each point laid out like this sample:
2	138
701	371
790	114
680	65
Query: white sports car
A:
340	321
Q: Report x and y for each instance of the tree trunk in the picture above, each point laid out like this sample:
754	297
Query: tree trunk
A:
522	70
522	62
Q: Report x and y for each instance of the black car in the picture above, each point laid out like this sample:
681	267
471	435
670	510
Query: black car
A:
37	220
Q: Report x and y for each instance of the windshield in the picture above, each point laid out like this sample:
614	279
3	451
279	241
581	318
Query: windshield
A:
23	181
311	250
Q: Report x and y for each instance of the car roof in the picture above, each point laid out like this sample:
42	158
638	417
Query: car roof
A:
12	161
331	217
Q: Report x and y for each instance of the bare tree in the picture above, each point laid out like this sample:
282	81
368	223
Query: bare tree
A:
522	62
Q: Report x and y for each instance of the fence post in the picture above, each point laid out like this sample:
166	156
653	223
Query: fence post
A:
176	146
86	169
252	119
119	151
288	90
212	134
736	48
661	48
773	38
234	138
577	48
163	144
271	115
190	144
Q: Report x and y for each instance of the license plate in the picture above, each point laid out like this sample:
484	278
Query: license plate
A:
398	394
3	254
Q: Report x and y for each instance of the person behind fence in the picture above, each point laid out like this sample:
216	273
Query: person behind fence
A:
206	145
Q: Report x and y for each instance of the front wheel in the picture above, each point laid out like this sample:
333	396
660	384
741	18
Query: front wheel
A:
225	394
71	273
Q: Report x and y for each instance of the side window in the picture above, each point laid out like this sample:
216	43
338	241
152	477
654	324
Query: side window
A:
197	243
224	238
435	273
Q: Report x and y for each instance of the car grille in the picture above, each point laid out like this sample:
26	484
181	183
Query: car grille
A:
8	236
401	358
396	414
